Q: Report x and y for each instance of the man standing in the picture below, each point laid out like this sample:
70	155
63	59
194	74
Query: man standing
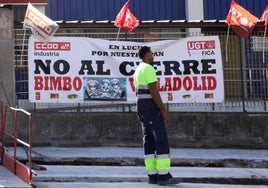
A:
154	119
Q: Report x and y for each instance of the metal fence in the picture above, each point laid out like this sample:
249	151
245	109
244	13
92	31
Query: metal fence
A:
245	74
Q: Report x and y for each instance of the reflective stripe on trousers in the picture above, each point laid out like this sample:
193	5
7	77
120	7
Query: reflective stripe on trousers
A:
159	164
150	164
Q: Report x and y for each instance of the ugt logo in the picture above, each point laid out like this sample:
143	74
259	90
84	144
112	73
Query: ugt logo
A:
201	45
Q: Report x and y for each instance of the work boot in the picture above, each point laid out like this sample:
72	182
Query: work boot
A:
168	180
153	179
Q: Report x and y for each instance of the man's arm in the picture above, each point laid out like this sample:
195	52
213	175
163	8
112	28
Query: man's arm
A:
158	101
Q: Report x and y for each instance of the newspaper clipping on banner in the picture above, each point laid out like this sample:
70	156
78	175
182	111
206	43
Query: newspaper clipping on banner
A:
80	70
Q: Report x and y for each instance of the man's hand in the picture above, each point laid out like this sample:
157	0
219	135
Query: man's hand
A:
158	101
166	117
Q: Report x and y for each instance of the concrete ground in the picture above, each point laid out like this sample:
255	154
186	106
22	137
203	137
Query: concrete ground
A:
137	174
8	179
122	167
141	184
130	156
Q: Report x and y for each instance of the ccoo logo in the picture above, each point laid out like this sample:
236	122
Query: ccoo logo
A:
53	46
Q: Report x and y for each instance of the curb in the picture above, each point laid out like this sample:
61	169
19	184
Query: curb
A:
234	163
237	181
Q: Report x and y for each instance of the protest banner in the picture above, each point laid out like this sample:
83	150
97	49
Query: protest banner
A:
78	70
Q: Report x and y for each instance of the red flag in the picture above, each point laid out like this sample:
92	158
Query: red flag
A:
264	17
240	20
126	20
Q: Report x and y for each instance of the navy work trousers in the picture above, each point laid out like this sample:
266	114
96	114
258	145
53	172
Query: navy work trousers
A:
155	140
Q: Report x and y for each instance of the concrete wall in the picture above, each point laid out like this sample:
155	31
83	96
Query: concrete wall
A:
194	130
194	11
7	54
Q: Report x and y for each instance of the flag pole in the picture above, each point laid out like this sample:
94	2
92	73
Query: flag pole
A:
22	48
263	45
226	45
118	33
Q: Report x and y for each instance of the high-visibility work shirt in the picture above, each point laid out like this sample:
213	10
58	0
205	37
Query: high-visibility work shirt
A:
144	75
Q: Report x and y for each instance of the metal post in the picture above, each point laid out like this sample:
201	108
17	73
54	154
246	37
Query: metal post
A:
15	141
30	148
242	72
2	131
